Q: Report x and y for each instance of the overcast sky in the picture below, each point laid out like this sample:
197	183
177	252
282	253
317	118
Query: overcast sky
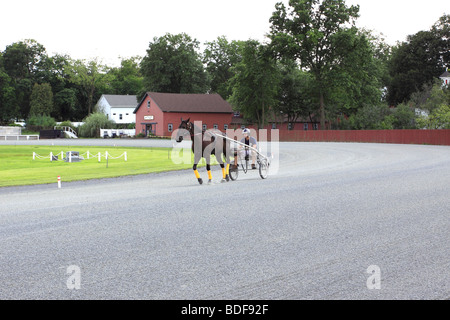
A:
109	29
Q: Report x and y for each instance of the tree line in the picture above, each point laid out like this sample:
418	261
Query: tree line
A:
316	64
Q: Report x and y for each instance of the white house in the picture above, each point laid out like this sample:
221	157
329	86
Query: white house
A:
119	108
445	77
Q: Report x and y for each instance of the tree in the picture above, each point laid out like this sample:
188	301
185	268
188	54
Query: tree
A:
90	77
418	61
307	32
22	61
173	65
41	100
8	106
295	95
357	79
220	56
255	83
127	79
65	103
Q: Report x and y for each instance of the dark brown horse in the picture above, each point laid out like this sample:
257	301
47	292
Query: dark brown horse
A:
204	144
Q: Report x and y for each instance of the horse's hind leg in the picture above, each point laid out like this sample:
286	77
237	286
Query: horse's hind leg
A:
226	167
227	170
208	168
225	176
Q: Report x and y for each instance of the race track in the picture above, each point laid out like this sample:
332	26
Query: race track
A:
332	212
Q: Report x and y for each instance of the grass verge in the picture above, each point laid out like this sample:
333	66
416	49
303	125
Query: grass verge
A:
17	166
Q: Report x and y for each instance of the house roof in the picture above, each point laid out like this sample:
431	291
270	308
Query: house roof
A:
121	101
188	103
446	74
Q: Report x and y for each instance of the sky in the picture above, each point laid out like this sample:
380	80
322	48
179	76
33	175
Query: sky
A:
110	30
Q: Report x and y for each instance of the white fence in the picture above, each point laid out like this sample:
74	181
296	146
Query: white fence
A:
19	137
85	156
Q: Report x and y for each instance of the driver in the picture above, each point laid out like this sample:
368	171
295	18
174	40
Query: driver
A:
249	141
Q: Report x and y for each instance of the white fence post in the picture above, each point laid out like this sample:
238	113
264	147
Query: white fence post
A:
51	156
125	156
99	157
34	155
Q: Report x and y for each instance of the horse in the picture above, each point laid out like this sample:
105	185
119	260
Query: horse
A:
205	143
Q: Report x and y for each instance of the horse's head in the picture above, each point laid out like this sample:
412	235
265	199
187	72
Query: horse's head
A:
184	129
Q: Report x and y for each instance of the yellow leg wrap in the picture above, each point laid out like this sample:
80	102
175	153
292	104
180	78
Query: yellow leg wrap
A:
209	175
197	174
228	168
224	174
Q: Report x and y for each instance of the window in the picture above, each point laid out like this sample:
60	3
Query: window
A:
216	126
290	126
316	126
204	127
170	127
274	125
225	127
120	116
305	126
148	104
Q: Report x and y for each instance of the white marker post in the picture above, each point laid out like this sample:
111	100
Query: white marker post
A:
59	182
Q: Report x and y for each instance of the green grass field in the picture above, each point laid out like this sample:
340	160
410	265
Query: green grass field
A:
17	166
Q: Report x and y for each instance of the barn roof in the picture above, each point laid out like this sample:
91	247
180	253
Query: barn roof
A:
188	103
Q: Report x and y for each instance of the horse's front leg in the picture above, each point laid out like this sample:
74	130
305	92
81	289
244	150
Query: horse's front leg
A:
197	175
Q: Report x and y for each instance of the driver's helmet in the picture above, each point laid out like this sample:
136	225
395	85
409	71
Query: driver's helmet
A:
246	132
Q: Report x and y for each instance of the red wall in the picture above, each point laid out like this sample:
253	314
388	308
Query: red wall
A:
432	137
210	119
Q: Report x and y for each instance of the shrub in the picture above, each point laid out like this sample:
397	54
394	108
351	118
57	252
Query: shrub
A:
93	123
438	119
37	123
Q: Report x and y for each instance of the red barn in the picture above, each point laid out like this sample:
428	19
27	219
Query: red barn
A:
160	113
